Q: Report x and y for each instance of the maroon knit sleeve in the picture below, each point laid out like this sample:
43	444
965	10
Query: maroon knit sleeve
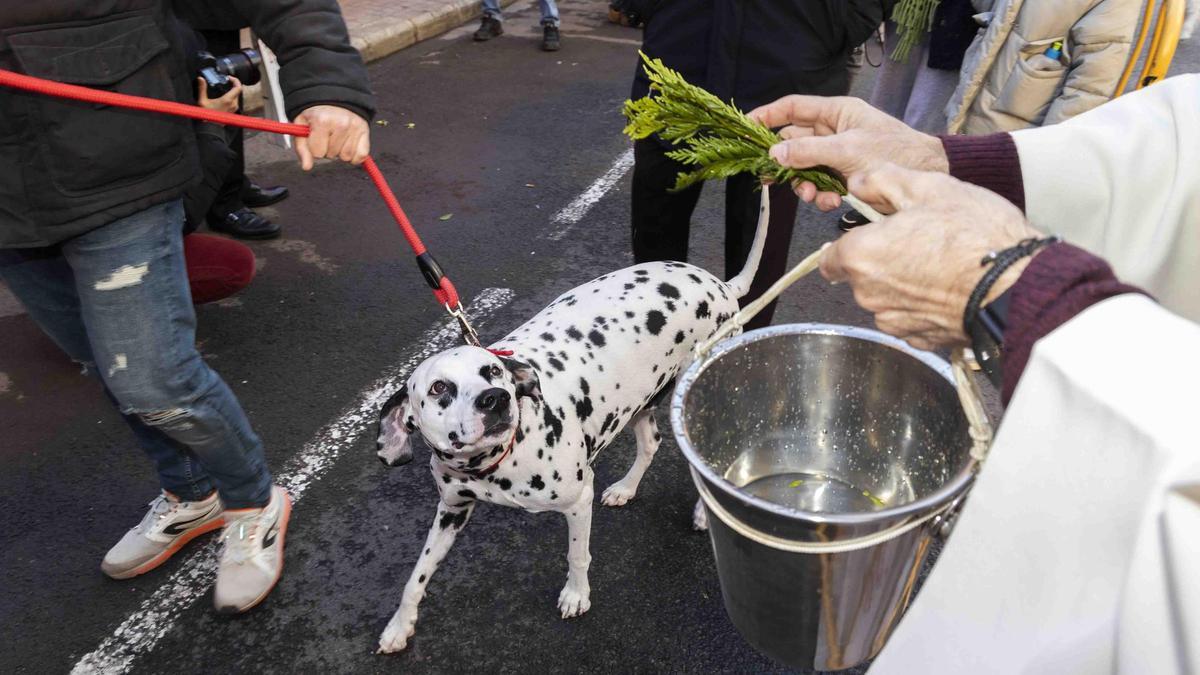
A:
990	162
1058	284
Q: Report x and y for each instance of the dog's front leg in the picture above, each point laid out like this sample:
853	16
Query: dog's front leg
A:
446	525
575	598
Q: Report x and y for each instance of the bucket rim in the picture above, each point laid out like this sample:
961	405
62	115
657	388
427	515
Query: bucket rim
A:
956	485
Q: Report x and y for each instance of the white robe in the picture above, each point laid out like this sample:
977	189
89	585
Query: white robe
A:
1079	548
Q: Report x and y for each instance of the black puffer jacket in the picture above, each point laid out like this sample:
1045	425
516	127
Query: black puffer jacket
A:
69	167
756	51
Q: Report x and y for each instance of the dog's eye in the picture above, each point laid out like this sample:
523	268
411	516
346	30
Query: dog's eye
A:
496	372
438	388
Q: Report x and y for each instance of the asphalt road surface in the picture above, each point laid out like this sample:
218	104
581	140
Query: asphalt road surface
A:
523	151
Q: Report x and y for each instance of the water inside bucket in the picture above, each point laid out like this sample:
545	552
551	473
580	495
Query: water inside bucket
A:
814	492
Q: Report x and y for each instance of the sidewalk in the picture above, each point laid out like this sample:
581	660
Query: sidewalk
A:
382	27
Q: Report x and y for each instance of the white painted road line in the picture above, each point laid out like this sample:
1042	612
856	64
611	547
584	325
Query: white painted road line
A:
139	633
577	209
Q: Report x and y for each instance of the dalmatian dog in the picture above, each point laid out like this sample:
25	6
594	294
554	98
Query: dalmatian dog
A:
519	423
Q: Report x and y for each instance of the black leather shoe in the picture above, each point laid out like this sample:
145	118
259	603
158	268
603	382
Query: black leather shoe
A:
245	224
256	196
551	42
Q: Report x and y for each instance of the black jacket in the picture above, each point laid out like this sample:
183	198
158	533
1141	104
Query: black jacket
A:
67	167
756	51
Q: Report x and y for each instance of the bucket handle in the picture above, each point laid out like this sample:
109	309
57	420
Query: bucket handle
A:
812	547
968	390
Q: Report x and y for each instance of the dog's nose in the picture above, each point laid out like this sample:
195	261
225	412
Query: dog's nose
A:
493	400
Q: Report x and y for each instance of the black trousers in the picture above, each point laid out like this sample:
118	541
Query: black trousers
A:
229	197
662	220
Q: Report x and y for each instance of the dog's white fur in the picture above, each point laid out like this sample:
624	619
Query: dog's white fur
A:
583	368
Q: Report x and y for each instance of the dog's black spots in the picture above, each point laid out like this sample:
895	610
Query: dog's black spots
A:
655	322
486	373
618	385
446	479
641	280
670	306
421	579
629	287
426	551
548	337
579	475
583	409
654	369
724	293
590	444
520	435
504	483
553	495
710	295
679	337
661	378
556	476
497	450
476	460
629	315
441	455
571	303
534	364
694	278
553	424
657	437
638	330
467	494
537	483
445	400
641	273
422	403
556	364
702	310
451	519
596	338
584	386
668	291
722	318
610	419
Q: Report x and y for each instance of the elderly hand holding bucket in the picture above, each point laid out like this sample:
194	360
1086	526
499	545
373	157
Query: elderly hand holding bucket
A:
944	227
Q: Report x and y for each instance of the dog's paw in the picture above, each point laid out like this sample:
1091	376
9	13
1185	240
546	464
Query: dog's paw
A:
699	517
572	602
617	494
395	636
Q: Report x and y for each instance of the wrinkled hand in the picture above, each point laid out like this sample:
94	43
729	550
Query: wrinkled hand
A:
336	133
227	103
916	269
847	135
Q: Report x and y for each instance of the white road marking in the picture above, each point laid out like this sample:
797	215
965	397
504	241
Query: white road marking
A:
156	616
577	209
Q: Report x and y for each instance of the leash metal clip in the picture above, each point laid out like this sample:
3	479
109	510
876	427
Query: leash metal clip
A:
468	333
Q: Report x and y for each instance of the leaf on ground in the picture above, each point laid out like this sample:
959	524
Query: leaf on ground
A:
447	216
382	123
411	125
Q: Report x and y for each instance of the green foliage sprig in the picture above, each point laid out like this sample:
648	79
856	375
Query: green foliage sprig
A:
712	135
914	18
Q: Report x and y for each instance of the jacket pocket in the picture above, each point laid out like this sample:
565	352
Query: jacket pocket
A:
88	148
1029	91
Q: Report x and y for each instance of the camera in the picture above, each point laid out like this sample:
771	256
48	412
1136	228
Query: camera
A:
216	70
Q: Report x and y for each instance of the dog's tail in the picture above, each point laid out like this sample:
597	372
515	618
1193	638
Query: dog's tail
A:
740	285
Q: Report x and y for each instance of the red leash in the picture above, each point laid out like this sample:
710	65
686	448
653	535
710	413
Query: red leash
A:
443	289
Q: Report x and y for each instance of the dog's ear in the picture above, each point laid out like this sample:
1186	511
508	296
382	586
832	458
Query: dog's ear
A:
525	377
397	423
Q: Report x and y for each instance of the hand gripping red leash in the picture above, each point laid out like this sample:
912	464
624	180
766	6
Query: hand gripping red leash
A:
443	289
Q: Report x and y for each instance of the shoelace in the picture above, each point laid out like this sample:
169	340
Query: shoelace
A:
160	508
240	536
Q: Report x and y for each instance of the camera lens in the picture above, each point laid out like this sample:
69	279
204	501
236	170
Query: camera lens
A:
242	64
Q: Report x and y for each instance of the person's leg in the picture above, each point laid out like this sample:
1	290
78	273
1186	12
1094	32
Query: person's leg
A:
216	267
44	283
661	219
132	285
741	220
491	8
549	12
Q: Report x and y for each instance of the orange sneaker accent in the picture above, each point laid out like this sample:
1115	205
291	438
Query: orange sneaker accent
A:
283	525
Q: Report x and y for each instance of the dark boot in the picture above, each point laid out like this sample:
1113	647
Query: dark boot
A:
551	40
256	196
489	28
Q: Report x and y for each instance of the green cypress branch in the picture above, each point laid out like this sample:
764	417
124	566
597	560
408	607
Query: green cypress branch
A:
711	135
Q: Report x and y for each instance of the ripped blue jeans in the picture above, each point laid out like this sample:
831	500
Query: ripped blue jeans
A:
116	299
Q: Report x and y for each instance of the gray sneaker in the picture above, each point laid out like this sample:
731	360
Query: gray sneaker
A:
166	527
252	558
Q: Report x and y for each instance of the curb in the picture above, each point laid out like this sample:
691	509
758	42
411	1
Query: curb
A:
384	37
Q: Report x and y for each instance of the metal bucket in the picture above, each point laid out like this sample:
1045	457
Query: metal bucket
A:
827	457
